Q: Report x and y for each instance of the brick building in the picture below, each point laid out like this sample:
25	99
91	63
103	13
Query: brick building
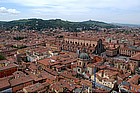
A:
20	81
5	85
77	43
7	68
132	85
112	50
86	64
37	88
128	50
135	59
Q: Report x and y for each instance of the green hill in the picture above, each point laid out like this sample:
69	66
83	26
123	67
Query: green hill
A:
39	24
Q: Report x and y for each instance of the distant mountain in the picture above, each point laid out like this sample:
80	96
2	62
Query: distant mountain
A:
99	24
39	24
127	25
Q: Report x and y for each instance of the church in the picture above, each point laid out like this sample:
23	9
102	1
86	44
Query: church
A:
86	63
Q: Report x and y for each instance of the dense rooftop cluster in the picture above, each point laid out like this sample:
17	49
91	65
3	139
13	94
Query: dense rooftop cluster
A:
57	61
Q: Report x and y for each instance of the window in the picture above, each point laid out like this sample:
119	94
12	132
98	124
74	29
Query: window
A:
80	63
84	65
79	70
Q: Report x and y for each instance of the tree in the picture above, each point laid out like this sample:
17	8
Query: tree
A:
2	57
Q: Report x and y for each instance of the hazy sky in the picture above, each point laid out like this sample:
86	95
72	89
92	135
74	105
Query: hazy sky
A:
118	11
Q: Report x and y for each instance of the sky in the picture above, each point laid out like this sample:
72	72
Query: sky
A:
110	11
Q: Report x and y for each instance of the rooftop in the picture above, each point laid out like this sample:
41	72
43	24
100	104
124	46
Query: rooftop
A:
38	87
4	83
21	80
136	57
134	48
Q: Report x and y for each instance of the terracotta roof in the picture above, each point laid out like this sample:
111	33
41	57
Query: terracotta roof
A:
19	74
57	87
100	91
45	62
67	84
86	82
134	79
33	66
59	66
38	87
4	83
51	71
68	75
21	80
9	66
40	75
136	57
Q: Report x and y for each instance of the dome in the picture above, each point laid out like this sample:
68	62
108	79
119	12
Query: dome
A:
84	56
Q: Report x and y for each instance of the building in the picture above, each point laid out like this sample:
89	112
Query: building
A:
20	80
5	86
58	63
128	50
78	43
37	88
82	62
135	59
112	50
7	68
63	85
99	49
107	78
132	85
8	51
86	64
